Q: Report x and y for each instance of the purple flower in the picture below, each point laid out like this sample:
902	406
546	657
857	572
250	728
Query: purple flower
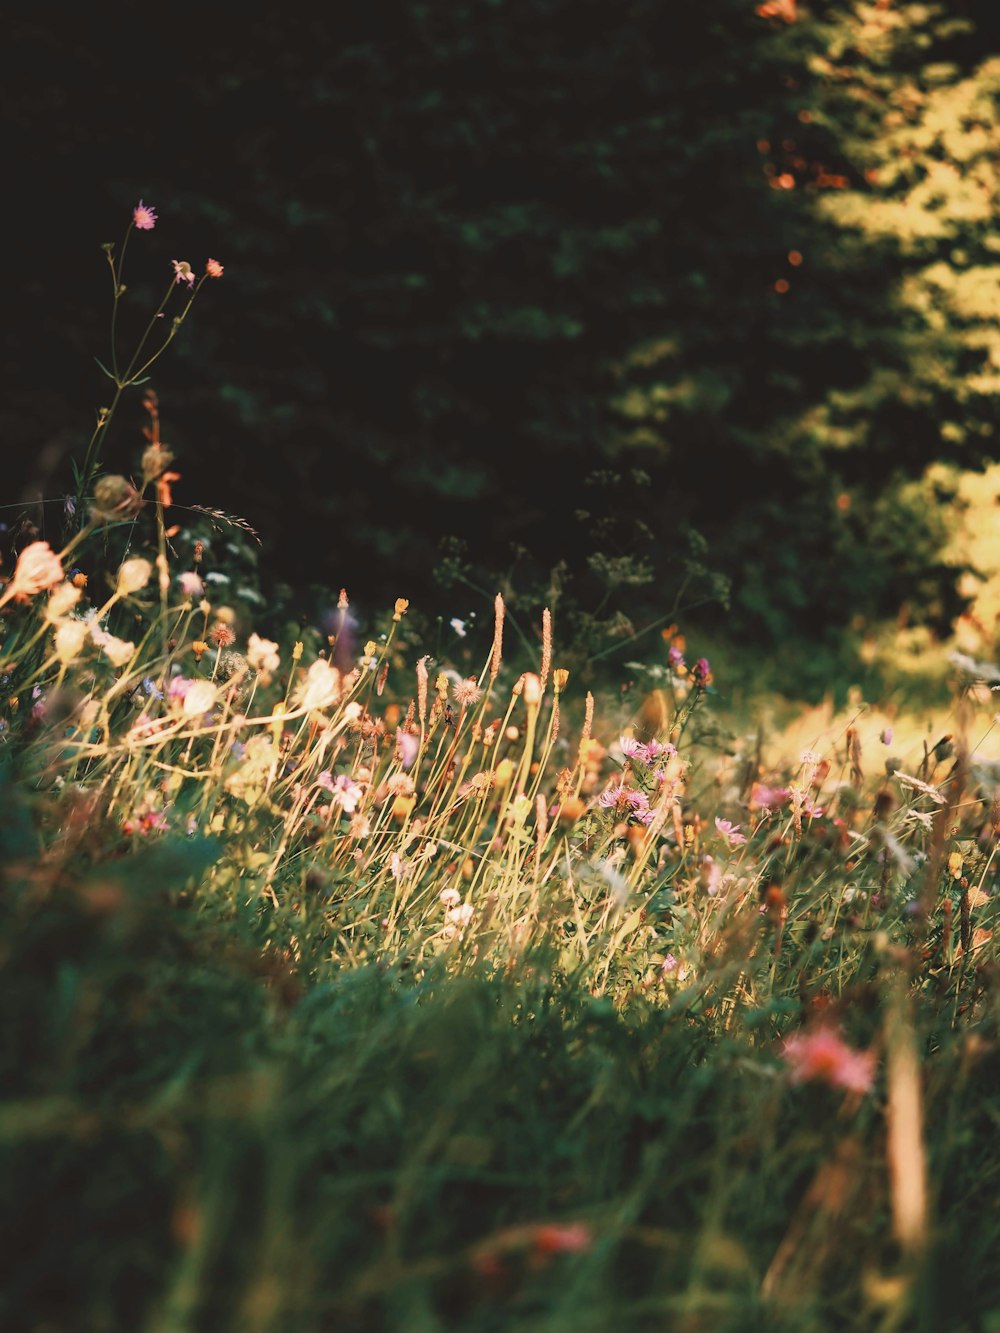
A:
675	657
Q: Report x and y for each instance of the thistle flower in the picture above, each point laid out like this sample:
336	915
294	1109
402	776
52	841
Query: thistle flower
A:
143	217
221	635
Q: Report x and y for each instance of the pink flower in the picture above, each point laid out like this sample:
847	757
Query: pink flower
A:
626	803
191	584
823	1055
767	798
143	217
345	793
183	272
214	269
730	832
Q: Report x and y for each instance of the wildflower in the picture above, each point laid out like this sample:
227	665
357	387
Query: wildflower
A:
198	698
460	915
763	797
221	635
701	672
467	692
532	688
924	788
676	658
710	875
626	803
823	1055
458	626
262	654
37	570
730	832
449	897
885	735
70	637
346	793
143	217
114	498
156	458
62	599
407	746
559	678
191	584
214	269
400	609
199	647
669	963
133	575
183	272
320	688
177	688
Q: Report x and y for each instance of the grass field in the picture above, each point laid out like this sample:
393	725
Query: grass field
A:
344	990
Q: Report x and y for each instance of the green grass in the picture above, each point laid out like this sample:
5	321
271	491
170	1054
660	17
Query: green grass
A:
257	1076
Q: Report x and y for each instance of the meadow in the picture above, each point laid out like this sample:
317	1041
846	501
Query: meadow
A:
351	986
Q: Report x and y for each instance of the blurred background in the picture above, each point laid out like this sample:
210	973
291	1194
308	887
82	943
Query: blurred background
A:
635	310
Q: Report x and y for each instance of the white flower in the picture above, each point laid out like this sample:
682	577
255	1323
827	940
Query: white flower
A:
461	915
450	897
70	638
262	654
199	698
61	601
133	575
191	584
117	651
320	688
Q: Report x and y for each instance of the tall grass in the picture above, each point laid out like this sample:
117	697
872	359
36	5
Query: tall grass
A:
345	990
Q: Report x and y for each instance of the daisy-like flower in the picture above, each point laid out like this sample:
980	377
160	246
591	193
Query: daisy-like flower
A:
143	217
214	269
824	1056
183	272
